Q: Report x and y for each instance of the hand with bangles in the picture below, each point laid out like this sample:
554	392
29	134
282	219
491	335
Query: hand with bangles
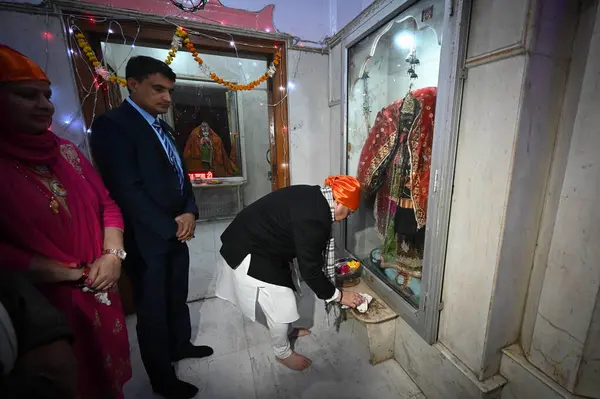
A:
104	273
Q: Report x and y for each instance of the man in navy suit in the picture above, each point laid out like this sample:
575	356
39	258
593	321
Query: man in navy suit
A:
142	168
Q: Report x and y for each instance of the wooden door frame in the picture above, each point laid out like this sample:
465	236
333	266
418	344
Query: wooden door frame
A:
160	35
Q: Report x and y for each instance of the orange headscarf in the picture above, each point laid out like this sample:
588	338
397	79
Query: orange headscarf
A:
345	189
15	67
24	147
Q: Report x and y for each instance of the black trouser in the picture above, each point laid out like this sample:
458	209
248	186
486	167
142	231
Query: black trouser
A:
160	285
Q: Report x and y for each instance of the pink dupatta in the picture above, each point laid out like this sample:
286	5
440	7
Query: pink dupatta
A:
28	226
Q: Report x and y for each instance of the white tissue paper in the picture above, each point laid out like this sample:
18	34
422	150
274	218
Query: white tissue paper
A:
363	307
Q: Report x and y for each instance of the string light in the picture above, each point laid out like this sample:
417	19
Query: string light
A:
97	85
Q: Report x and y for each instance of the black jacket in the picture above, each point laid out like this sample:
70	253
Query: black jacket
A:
293	222
139	176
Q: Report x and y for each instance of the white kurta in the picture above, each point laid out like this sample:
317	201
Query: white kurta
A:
237	287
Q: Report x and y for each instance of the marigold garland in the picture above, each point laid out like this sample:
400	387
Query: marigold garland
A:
181	38
91	56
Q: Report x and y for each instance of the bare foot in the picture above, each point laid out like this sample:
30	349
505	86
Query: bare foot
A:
296	362
299	332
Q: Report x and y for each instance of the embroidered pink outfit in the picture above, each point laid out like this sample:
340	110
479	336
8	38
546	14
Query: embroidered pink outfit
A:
28	226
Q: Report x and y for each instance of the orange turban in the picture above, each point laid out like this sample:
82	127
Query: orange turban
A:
15	67
345	189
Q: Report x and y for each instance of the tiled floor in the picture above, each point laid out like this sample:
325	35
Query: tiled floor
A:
243	365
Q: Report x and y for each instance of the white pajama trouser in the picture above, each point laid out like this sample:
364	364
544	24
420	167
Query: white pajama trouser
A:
276	302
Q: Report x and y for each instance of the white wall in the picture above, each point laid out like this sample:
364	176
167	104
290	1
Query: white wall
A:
566	342
508	125
309	118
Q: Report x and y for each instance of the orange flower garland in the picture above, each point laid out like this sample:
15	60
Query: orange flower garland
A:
91	56
181	37
181	33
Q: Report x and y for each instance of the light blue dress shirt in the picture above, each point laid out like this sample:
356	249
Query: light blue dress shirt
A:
150	119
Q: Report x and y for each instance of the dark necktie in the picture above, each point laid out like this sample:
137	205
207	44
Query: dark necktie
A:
170	148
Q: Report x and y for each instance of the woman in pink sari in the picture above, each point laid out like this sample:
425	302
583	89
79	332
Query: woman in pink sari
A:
59	226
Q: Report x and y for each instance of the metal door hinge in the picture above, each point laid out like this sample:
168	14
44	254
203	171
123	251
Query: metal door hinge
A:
463	74
435	181
440	306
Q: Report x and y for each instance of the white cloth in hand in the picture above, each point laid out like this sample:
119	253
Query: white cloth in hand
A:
363	307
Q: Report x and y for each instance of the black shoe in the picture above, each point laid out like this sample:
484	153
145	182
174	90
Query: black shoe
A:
194	352
177	390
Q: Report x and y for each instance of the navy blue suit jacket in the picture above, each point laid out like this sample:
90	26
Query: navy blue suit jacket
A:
140	178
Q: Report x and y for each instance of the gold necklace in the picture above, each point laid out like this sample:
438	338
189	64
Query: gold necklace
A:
45	173
53	203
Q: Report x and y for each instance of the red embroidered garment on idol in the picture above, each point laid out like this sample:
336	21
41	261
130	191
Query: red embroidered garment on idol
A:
379	148
412	120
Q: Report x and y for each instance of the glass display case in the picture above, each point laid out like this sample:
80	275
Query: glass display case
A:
392	66
392	93
205	116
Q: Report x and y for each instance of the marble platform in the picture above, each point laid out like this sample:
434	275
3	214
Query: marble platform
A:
379	325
